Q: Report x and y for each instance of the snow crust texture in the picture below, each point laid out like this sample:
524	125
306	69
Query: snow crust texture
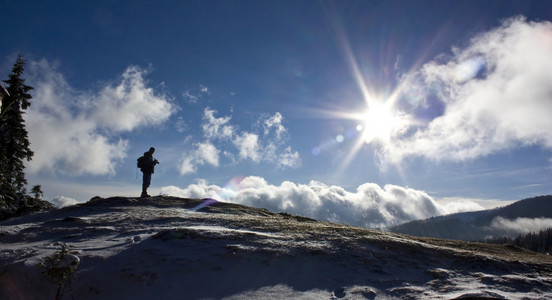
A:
173	248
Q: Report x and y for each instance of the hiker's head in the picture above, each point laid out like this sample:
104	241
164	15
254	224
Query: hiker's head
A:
151	150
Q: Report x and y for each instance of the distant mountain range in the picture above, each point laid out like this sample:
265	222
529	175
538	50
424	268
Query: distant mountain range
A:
509	220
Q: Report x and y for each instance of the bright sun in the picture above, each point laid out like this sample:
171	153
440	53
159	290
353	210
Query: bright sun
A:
378	122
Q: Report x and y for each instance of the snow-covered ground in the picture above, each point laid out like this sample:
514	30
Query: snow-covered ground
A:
171	248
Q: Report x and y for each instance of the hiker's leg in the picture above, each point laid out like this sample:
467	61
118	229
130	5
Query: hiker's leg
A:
145	184
144	191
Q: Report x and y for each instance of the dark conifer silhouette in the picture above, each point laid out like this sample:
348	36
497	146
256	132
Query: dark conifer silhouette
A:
14	142
15	146
538	242
37	192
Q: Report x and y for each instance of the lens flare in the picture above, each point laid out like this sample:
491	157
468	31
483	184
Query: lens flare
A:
204	202
230	190
232	187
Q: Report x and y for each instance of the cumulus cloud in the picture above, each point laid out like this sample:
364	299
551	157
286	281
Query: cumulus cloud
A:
216	128
77	132
248	146
208	153
496	94
129	103
289	158
274	123
506	227
266	146
204	153
369	206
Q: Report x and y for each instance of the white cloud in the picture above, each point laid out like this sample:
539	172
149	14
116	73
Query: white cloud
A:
218	132
248	146
274	148
205	153
197	190
76	131
188	95
208	153
129	104
214	128
180	125
195	94
64	201
274	123
502	226
496	92
457	204
288	158
203	89
369	206
188	165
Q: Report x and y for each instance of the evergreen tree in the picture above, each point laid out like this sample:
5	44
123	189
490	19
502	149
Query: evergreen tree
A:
14	142
37	192
15	149
538	242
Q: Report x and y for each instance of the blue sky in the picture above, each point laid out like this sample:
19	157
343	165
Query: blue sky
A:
366	112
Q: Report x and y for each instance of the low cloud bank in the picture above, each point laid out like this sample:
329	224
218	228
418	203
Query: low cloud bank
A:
64	201
370	206
505	227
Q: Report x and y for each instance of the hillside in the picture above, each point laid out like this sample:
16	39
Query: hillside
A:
172	248
478	225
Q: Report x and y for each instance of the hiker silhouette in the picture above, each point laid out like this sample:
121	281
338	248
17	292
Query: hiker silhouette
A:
147	163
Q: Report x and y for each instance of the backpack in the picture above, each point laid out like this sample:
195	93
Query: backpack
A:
141	162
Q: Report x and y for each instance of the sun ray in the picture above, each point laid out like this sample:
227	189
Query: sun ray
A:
379	121
345	46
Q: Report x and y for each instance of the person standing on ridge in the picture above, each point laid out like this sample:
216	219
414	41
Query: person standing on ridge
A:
147	163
